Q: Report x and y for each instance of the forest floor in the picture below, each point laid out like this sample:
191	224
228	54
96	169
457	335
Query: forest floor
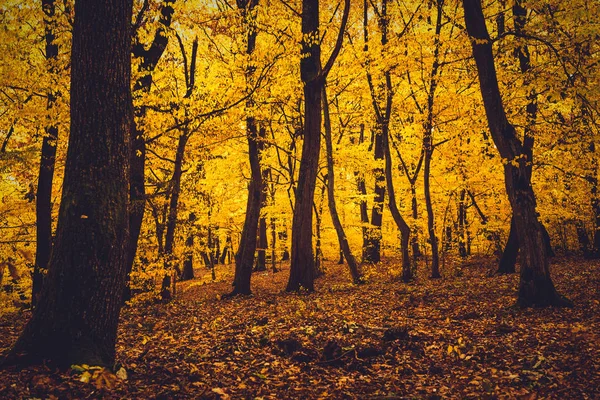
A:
458	337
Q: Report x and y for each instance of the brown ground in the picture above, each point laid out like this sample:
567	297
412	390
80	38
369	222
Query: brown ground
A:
457	337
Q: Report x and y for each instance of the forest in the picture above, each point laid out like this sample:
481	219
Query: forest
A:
269	199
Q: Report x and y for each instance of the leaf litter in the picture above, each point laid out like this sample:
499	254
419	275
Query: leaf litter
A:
459	337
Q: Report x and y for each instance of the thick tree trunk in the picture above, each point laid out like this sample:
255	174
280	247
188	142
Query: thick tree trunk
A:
345	251
76	319
536	287
43	205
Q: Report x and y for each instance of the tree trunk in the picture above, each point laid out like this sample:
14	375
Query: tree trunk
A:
345	251
137	163
187	271
244	258
43	205
536	287
302	268
76	319
273	243
313	77
261	256
403	227
511	250
462	222
428	145
372	248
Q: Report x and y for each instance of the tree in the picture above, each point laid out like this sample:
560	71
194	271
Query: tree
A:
137	192
302	267
43	205
535	287
345	252
76	319
244	258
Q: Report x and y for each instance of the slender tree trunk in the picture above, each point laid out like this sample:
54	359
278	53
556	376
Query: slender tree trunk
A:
302	269
244	258
428	145
302	266
137	192
261	256
511	250
75	321
536	287
273	243
187	272
462	222
345	251
403	227
43	205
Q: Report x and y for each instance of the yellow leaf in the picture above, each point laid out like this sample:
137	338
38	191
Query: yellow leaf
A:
85	377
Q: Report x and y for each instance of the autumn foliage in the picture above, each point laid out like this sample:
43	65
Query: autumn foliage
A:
408	170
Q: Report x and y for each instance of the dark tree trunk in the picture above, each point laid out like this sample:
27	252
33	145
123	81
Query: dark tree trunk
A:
536	287
76	319
583	239
137	193
187	271
226	250
244	258
372	245
319	270
345	251
508	261
403	227
428	145
273	243
261	256
175	184
302	268
511	250
462	222
43	205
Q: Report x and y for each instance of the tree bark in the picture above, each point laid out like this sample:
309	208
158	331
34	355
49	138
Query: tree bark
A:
76	319
403	227
339	229
261	256
428	145
302	267
535	287
137	164
43	205
244	258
